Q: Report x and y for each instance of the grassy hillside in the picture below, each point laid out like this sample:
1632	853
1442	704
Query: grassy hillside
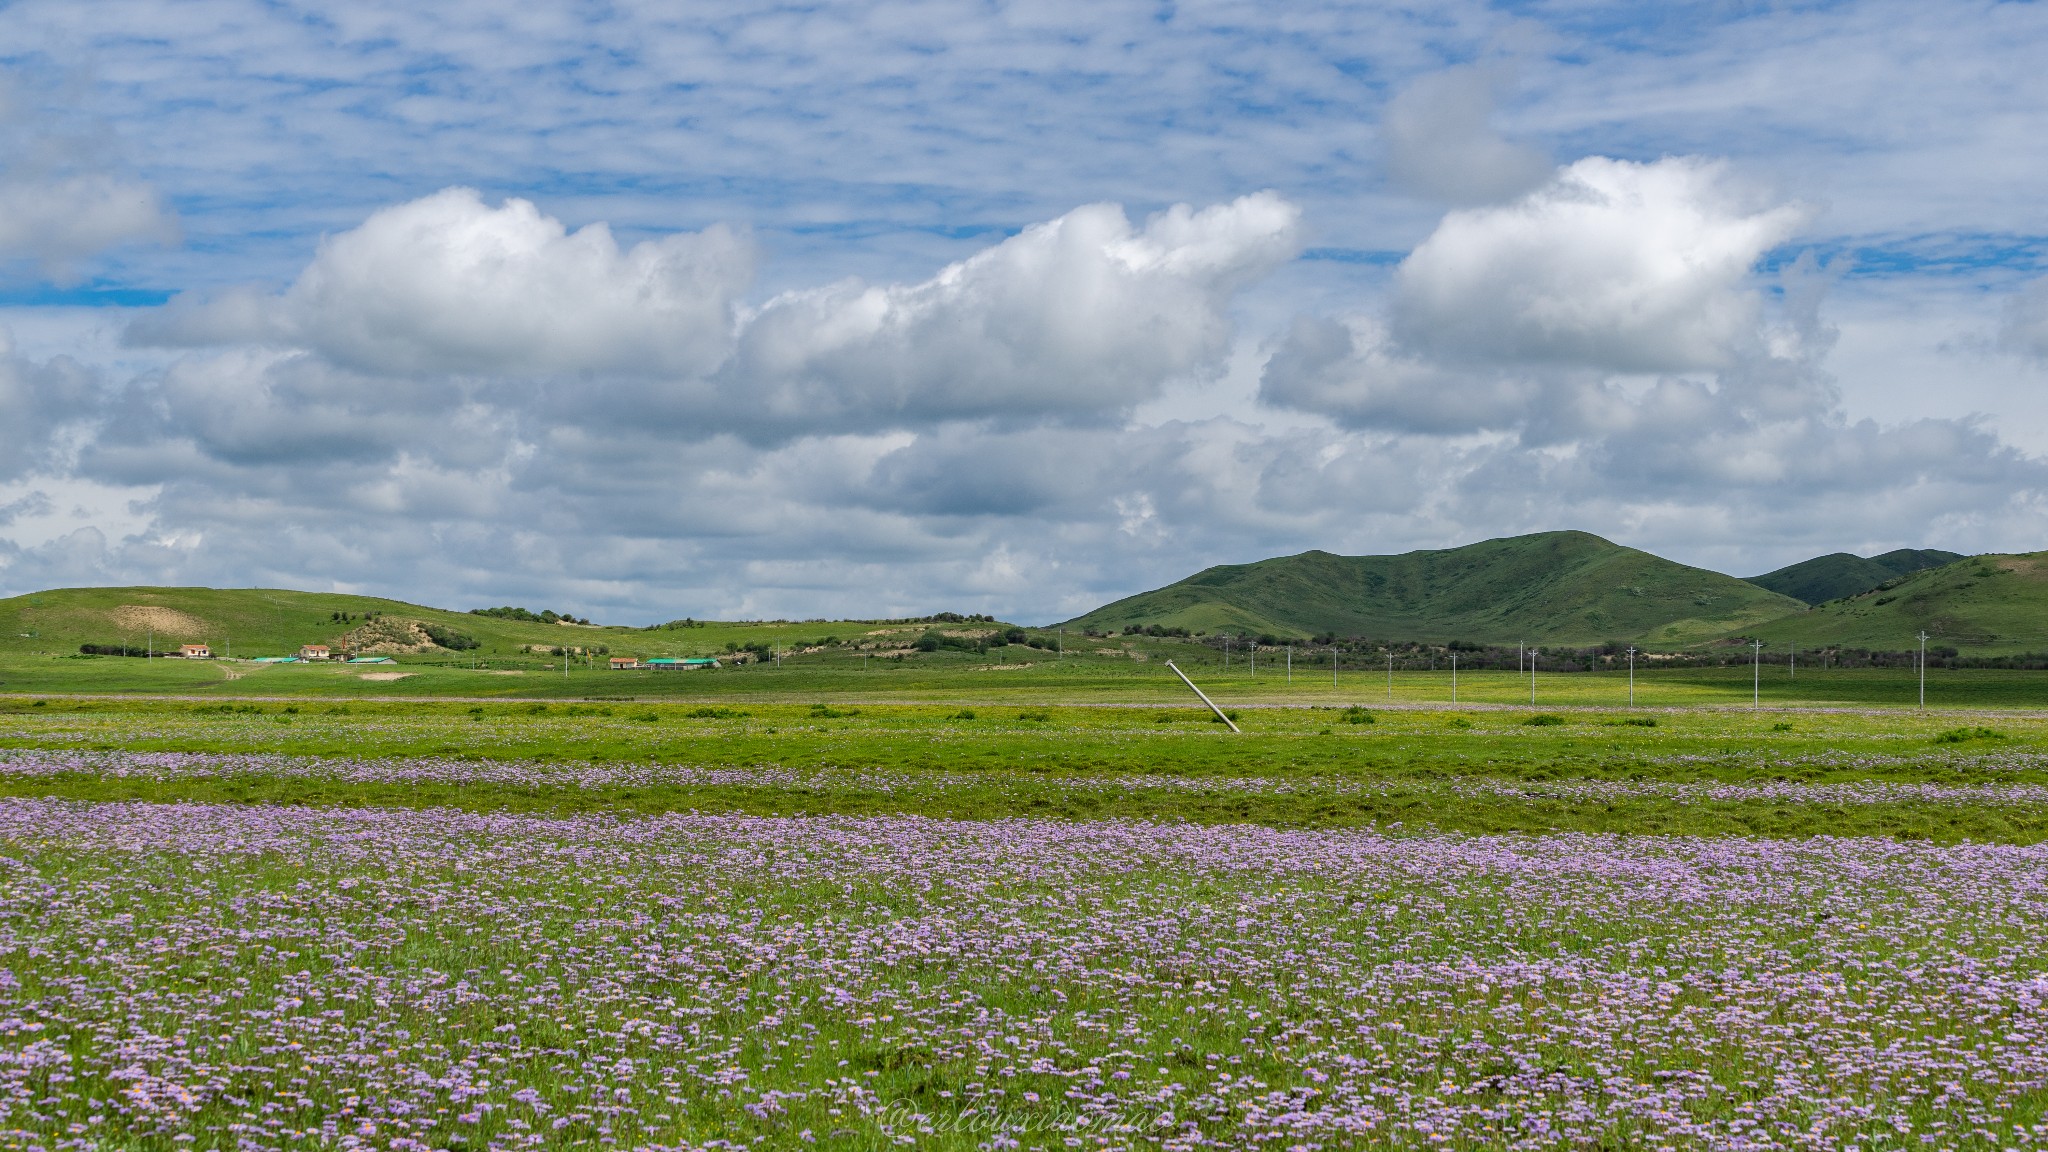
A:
274	622
1985	604
1551	588
1841	574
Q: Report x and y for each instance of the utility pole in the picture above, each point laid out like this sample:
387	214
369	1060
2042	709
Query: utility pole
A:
1255	659
1290	664
1226	653
1923	671
1792	664
1631	676
1390	674
1756	671
1454	677
1335	656
1532	677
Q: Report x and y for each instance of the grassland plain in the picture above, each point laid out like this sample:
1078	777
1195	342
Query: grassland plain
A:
1783	774
321	922
1122	670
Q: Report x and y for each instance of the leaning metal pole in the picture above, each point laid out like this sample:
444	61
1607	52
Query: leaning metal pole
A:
1205	698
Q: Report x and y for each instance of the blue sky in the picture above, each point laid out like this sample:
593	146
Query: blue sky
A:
892	308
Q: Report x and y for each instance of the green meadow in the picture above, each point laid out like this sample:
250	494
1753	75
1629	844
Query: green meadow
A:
1128	670
1475	769
865	899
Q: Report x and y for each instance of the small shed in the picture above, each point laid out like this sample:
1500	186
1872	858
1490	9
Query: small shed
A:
314	652
624	663
195	651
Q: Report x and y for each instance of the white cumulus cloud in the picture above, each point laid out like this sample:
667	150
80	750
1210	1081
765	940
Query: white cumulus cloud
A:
449	283
1086	313
1078	316
1614	265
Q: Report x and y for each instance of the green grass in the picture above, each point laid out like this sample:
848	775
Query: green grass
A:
1125	670
1310	768
1549	588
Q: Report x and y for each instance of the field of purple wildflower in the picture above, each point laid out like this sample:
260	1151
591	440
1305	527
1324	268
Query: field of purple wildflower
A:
211	976
461	929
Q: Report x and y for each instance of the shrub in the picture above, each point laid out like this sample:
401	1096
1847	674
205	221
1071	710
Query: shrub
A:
1639	722
449	638
1961	735
1358	714
1781	726
113	650
714	714
827	712
1215	719
1543	720
510	613
963	714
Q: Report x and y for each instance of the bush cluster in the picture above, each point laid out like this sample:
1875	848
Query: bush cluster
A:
449	638
113	650
510	613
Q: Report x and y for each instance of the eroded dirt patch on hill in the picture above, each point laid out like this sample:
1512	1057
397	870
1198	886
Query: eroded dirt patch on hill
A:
168	621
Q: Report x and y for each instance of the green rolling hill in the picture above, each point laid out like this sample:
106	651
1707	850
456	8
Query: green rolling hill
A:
1550	587
257	622
1841	574
275	622
1982	604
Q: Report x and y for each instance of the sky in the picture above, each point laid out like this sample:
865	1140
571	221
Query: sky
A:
738	311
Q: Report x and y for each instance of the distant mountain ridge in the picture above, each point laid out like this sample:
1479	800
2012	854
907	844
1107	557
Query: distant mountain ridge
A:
1990	604
1841	574
1549	587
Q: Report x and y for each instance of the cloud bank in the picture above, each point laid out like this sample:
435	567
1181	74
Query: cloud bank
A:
483	397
